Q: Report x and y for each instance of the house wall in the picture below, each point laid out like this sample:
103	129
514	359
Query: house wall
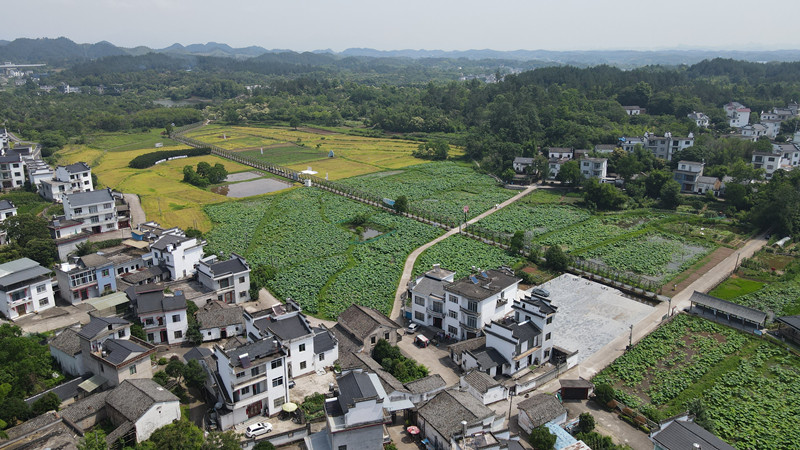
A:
72	365
8	306
382	332
328	359
212	334
156	417
298	357
181	325
358	438
436	439
106	280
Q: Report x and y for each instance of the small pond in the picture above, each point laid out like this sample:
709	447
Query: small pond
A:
250	188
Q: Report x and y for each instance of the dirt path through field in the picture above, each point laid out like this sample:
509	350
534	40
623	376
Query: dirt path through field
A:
717	256
412	258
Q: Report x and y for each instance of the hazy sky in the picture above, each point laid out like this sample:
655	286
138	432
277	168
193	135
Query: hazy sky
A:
413	24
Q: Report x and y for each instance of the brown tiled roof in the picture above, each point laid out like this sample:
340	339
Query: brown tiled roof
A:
362	321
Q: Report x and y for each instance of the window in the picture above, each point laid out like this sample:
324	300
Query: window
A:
550	319
132	370
224	283
342	447
452	330
302	365
245	390
547	337
178	334
472	321
419	316
277	382
452	298
278	402
301	348
256	388
322	356
105	272
106	205
452	314
120	270
92	209
255	370
176	318
276	363
372	339
41	288
242	294
241	374
472	306
149	321
386	335
437	307
241	279
44	301
121	333
419	300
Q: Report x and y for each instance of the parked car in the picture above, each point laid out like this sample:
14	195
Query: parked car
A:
541	291
412	328
257	429
421	341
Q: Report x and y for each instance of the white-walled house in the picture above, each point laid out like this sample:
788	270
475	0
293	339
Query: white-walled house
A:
540	409
96	209
428	298
252	380
440	418
594	167
660	146
7	209
230	278
79	175
699	118
219	320
110	352
483	387
25	287
326	348
179	254
291	329
65	347
163	316
769	161
754	131
738	114
85	277
12	171
38	171
687	174
144	404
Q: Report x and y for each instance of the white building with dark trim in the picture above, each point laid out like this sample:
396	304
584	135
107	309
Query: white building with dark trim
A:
25	287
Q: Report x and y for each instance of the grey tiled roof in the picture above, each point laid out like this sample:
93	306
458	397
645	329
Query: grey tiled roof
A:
162	243
119	350
481	381
352	387
348	347
427	384
5	204
750	314
89	198
447	409
389	382
132	398
493	283
85	407
68	342
792	321
233	265
680	435
541	408
488	357
255	350
285	328
469	344
197	353
323	340
19	270
95	260
158	302
429	286
217	315
98	324
77	167
142	275
362	321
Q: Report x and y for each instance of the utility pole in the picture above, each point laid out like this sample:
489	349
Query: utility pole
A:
630	338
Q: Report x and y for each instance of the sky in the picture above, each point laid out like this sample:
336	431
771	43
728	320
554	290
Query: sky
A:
305	25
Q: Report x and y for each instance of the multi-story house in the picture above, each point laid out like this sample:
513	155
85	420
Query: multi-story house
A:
661	146
12	171
218	320
467	304
355	418
366	326
95	209
230	279
178	254
444	419
111	353
252	379
290	328
699	118
687	173
85	277
633	110
773	128
25	287
790	154
67	234
163	316
754	131
38	171
7	209
79	175
738	114
769	161
594	167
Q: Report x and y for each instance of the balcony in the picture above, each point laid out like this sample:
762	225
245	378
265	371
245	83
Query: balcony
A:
19	301
434	313
469	327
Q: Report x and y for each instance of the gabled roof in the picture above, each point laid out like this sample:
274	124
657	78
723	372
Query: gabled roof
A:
158	302
469	344
144	274
167	240
132	398
67	341
97	325
95	260
447	409
120	350
483	285
354	386
285	328
361	321
323	340
389	382
523	160
749	314
481	381
197	353
428	286
427	384
20	270
254	350
217	314
6	204
792	321
680	435
541	408
77	167
233	265
89	198
488	357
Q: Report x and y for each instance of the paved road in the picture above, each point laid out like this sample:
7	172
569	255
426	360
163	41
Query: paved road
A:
616	348
412	258
135	208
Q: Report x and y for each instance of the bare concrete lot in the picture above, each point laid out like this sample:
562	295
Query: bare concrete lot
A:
590	315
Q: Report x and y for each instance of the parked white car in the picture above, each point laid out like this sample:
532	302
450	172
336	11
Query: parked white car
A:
257	429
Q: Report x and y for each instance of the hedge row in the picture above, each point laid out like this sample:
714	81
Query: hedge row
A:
149	159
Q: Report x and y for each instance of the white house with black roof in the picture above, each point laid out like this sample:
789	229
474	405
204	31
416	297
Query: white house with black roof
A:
483	387
65	347
67	234
96	209
229	278
539	311
12	171
163	316
141	406
355	418
110	352
178	254
538	410
79	175
289	327
252	379
85	277
218	320
463	307
326	348
440	418
25	287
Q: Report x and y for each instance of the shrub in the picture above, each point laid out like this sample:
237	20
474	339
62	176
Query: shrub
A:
149	159
585	422
603	393
542	439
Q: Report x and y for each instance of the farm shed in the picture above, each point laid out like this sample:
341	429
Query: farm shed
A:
724	311
789	327
579	389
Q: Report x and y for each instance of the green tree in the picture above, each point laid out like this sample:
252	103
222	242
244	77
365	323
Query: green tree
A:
194	374
181	435
47	402
604	393
437	150
586	422
217	174
264	445
94	440
401	204
517	243
22	228
570	173
203	169
161	378
85	248
294	122
175	369
42	251
655	181
542	439
508	175
698	409
602	195
556	258
216	440
670	195
737	195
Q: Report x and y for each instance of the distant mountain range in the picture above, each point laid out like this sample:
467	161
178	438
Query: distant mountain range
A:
62	51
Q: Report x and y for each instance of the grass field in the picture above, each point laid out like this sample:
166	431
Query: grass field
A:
165	198
122	142
749	385
286	155
354	155
735	287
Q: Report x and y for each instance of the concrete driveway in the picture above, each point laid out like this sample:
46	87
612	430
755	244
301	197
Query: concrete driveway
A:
436	359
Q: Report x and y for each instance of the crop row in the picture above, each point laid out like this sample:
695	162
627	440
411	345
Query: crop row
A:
652	254
459	254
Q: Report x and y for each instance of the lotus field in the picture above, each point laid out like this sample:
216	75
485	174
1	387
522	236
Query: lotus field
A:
459	254
320	262
690	357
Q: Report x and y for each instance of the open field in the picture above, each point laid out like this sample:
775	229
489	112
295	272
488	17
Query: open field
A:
121	142
354	155
747	384
318	259
459	254
734	287
165	198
